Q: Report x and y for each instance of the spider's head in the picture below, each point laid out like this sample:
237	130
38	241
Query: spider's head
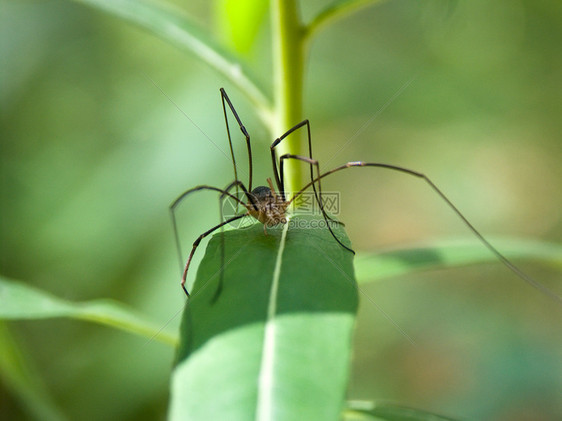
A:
267	207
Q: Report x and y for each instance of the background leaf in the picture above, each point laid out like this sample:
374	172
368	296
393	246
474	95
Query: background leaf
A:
19	301
172	25
447	254
268	350
384	411
238	22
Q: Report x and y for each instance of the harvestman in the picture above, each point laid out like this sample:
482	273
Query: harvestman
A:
270	206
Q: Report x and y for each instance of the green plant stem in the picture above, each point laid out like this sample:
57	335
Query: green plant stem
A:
288	70
289	39
336	11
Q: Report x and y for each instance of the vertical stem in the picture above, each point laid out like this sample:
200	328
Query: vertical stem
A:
288	68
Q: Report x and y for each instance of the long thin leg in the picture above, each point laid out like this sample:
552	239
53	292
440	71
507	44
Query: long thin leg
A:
226	99
238	183
196	244
279	174
251	202
182	196
178	201
500	256
314	162
221	271
318	195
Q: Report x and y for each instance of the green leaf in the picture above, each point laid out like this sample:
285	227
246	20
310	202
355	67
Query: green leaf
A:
275	341
171	24
358	410
20	301
447	254
239	21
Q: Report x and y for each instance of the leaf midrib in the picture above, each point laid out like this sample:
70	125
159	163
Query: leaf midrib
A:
265	383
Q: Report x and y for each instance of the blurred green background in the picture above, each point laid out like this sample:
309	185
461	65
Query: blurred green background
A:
468	92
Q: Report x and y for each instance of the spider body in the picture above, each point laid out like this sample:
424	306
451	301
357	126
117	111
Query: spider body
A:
268	207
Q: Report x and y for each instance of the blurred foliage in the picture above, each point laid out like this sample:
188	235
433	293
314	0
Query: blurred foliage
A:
92	153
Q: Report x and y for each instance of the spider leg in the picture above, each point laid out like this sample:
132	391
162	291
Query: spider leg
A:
318	195
196	244
223	196
279	174
279	178
178	201
314	162
226	100
238	183
442	195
